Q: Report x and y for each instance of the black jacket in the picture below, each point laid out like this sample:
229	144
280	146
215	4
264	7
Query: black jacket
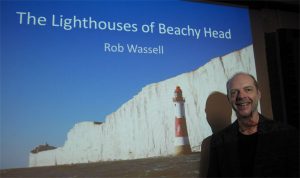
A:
277	153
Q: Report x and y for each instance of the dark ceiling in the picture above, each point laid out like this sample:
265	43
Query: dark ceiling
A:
287	5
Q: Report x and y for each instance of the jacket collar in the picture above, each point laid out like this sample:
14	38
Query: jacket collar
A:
261	128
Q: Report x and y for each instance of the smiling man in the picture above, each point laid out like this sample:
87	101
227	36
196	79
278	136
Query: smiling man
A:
243	95
252	146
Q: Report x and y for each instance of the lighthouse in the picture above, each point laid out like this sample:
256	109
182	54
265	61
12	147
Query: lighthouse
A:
182	144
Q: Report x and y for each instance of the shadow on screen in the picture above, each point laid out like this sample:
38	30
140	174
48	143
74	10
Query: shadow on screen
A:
218	115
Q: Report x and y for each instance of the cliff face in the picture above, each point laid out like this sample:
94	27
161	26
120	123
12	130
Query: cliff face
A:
145	125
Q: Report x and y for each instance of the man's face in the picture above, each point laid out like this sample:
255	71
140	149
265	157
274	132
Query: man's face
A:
243	96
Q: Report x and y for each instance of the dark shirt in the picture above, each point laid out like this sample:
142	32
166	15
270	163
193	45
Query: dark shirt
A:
247	152
276	155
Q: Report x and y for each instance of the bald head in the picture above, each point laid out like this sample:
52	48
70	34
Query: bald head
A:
228	84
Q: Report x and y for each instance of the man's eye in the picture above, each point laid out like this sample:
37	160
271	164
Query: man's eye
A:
233	92
248	89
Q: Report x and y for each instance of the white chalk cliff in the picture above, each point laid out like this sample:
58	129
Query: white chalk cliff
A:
145	125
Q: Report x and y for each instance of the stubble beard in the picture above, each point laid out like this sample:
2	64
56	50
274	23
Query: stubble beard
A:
249	121
247	116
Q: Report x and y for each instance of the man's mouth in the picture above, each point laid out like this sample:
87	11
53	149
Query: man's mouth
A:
242	105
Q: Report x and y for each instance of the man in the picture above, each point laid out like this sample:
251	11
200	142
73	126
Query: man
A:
252	146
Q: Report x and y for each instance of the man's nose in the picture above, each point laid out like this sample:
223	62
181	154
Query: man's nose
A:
241	94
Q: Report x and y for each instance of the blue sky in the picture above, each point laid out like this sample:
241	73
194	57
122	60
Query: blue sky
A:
52	78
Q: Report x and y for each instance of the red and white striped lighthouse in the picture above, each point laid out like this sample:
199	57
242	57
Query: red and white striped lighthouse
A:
182	144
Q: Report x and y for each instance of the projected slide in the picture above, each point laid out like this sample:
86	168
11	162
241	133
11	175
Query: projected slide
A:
97	81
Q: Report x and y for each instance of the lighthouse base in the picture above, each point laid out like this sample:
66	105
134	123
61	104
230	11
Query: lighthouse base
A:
183	149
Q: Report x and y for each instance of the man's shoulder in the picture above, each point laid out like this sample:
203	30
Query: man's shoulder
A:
228	133
230	129
270	125
278	135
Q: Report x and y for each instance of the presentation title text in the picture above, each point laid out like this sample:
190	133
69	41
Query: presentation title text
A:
67	24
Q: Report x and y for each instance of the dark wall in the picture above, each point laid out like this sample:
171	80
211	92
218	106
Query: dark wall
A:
276	48
282	48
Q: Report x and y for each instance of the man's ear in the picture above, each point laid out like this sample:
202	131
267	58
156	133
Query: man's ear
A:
228	98
259	94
